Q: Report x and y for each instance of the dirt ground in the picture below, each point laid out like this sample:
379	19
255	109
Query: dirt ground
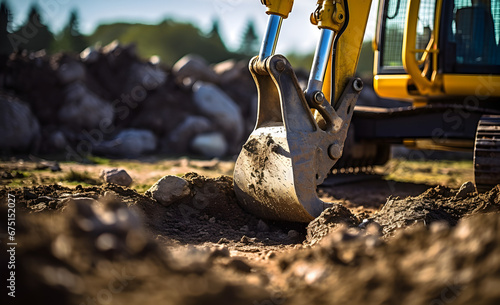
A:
402	235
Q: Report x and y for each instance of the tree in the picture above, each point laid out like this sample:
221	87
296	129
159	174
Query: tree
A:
5	28
250	44
33	35
214	35
71	39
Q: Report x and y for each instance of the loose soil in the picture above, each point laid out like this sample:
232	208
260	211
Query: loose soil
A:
106	244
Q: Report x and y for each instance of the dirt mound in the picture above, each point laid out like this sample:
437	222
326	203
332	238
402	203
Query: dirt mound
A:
89	245
436	265
328	221
210	214
437	204
89	254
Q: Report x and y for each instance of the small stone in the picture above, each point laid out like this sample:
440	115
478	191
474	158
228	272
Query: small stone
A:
116	176
374	229
262	226
109	196
439	226
223	240
29	195
44	199
292	234
270	255
169	189
466	189
244	229
212	220
247	240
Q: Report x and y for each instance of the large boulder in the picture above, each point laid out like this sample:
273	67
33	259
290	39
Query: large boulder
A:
229	70
194	68
180	138
148	76
70	72
19	129
128	143
211	145
213	103
89	55
83	109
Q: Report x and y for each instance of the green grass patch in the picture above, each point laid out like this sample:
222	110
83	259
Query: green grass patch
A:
450	173
80	177
141	188
99	160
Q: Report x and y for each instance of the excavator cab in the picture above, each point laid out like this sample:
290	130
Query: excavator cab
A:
429	51
444	57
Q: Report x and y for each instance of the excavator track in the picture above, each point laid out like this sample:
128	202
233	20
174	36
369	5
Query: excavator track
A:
487	153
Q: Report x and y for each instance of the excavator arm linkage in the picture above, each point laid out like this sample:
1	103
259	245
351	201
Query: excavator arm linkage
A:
300	135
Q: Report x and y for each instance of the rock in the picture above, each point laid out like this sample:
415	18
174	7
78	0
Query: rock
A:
247	240
262	226
270	255
223	240
19	128
57	140
169	189
89	55
182	135
213	103
292	234
211	145
128	143
116	176
228	70
71	72
466	189
154	60
82	109
148	76
195	68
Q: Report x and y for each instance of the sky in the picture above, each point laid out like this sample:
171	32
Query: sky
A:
297	34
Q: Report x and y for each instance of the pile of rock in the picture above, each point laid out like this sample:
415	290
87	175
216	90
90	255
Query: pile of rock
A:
107	101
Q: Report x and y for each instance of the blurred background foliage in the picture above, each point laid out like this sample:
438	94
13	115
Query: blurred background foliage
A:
170	40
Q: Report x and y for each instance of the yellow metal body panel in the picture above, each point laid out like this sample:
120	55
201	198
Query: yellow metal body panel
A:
392	86
443	145
395	86
476	85
349	47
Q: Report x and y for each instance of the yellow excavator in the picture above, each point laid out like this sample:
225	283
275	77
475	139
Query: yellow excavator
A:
443	56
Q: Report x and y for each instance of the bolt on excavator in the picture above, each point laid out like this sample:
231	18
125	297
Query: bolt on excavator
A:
441	56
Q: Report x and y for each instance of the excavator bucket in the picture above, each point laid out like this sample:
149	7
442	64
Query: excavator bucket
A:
291	150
